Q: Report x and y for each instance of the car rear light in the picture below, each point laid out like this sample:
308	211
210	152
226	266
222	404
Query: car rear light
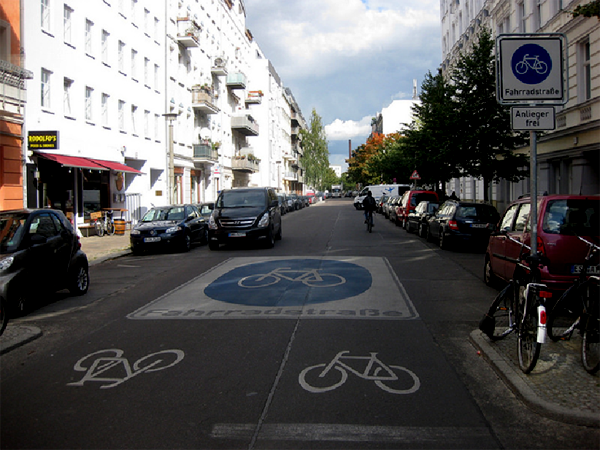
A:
545	294
540	246
453	225
78	242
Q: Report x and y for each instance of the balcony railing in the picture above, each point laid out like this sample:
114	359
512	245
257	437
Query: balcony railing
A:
205	153
290	176
243	164
203	101
254	97
236	81
245	125
188	32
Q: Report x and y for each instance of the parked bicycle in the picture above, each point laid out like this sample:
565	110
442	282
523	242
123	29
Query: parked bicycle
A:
521	306
103	222
577	309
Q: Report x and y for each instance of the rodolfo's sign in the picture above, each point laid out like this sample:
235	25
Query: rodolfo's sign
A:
45	140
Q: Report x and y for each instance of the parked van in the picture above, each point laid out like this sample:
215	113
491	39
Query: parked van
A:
409	202
378	190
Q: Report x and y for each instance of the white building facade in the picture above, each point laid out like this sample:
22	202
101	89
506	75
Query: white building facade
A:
569	155
150	102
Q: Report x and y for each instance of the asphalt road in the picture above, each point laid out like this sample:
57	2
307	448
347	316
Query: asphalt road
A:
335	338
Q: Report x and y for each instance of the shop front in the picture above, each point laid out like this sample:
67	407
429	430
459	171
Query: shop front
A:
77	186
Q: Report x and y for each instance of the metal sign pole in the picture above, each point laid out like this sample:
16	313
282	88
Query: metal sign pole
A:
534	189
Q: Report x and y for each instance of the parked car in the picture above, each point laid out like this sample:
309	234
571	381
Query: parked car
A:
387	205
380	203
206	209
174	227
245	214
282	203
561	218
296	202
418	220
39	253
466	222
409	201
392	209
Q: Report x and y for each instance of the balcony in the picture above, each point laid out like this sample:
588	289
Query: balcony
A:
205	153
290	176
188	32
242	163
236	81
254	97
245	125
202	100
219	67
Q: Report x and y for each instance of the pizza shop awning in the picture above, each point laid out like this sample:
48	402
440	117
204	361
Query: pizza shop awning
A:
87	163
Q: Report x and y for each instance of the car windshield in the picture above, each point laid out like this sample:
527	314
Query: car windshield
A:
206	210
11	231
418	198
174	213
241	199
572	217
477	212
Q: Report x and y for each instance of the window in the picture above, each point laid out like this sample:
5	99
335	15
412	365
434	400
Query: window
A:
537	15
121	115
522	217
121	57
45	17
68	90
146	70
147	124
522	18
105	35
133	10
584	72
67	22
105	109
134	110
45	97
146	22
89	25
156	29
156	126
133	64
156	77
88	103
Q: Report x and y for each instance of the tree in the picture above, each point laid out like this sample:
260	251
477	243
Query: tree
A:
590	9
316	153
485	142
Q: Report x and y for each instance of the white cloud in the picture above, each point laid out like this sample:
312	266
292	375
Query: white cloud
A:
341	130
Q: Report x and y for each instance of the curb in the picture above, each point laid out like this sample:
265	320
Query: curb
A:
16	335
522	390
108	256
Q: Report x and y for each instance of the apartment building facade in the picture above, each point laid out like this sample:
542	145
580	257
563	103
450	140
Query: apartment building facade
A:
568	157
13	78
157	100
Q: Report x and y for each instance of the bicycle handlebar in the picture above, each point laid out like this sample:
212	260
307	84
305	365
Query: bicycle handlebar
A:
591	244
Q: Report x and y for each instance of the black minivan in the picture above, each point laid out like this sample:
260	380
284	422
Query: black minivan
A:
245	214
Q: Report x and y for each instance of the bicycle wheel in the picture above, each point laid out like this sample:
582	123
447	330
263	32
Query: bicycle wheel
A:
565	315
590	342
500	319
99	228
3	316
110	228
322	383
370	223
528	346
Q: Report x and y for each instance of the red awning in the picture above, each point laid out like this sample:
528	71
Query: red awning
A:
87	163
72	161
117	167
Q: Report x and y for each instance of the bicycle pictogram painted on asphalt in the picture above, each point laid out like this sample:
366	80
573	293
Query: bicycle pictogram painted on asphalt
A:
392	379
309	277
109	366
531	64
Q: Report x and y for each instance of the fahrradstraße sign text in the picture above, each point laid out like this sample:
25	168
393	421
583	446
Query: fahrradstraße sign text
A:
531	68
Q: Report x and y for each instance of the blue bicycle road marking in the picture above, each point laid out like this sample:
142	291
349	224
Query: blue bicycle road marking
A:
259	284
531	64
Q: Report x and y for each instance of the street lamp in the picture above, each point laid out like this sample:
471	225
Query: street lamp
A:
171	117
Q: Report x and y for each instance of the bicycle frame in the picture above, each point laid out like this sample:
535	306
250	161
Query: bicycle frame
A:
373	360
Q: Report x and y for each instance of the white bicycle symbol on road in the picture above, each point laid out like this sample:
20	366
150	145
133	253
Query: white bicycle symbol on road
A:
113	359
533	63
310	277
375	370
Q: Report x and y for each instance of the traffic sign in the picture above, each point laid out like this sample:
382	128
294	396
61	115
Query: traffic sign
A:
415	176
531	68
532	118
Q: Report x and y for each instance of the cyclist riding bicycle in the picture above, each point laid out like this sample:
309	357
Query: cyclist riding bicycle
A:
369	205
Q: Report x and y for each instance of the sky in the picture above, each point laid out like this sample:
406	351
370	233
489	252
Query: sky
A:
348	59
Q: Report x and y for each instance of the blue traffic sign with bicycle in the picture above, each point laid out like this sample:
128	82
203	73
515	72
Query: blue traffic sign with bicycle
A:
531	64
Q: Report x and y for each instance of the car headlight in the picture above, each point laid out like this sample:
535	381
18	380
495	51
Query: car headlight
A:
173	229
212	223
264	221
6	263
135	232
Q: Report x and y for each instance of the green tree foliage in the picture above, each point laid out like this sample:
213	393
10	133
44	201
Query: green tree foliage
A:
591	9
485	142
316	153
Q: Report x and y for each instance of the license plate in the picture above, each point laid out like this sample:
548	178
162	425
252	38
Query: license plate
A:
237	234
592	270
152	239
479	225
